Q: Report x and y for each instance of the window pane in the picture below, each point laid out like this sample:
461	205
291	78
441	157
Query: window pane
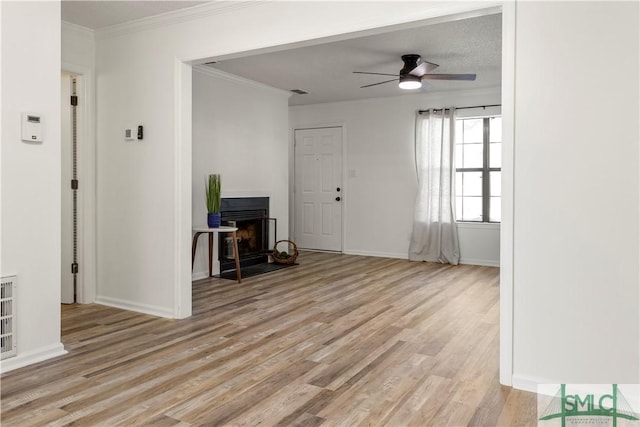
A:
473	130
495	129
472	155
459	183
495	211
495	155
496	184
471	183
459	151
472	208
458	208
459	132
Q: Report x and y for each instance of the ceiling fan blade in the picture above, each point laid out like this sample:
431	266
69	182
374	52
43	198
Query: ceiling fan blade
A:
469	77
376	84
423	69
377	74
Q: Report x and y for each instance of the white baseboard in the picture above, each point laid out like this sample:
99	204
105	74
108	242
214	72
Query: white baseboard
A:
31	357
198	275
469	261
134	306
483	262
527	383
377	254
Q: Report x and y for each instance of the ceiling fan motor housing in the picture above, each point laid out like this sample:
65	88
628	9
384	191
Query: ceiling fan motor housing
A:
410	62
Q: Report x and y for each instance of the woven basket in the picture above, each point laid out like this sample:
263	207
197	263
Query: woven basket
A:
292	251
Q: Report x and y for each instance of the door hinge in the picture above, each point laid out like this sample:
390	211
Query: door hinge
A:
74	268
74	184
74	100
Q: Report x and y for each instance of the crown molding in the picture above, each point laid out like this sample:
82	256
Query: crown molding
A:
175	17
203	69
78	29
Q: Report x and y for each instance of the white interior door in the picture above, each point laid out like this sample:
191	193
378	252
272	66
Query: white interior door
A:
318	194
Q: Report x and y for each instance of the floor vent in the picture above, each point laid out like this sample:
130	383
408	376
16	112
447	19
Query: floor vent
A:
8	347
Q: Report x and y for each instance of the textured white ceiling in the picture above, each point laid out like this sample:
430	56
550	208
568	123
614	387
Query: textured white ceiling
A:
96	14
325	71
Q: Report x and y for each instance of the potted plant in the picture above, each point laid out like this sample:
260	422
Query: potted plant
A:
212	191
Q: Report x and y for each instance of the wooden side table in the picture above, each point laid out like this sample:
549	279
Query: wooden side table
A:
211	232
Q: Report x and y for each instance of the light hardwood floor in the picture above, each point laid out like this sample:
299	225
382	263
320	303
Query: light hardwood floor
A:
337	341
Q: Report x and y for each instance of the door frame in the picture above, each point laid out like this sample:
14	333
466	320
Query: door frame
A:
68	293
86	290
344	187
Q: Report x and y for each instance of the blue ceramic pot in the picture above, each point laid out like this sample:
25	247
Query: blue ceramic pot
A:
213	220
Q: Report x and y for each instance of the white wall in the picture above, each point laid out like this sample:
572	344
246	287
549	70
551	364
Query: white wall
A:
576	294
479	243
30	34
239	131
136	240
78	46
379	140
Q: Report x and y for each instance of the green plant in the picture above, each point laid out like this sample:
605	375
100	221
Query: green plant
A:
212	191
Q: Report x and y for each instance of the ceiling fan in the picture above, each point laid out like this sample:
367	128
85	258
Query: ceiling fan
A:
414	71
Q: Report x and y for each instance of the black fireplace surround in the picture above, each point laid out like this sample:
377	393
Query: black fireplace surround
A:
251	216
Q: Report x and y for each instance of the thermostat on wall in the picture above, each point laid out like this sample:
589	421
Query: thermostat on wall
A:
31	127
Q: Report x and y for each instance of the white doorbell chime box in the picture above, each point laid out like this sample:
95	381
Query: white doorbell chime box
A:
31	127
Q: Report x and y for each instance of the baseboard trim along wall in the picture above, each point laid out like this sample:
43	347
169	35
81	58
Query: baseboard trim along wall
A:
132	306
376	254
526	383
468	261
33	356
199	275
483	262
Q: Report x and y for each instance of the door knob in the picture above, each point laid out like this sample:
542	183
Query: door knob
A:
338	199
338	189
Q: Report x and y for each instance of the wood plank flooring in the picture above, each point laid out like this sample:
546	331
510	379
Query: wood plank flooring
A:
337	341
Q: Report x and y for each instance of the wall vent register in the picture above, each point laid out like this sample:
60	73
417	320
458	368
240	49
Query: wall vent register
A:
8	342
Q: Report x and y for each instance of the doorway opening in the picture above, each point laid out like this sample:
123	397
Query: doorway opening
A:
507	96
70	280
78	218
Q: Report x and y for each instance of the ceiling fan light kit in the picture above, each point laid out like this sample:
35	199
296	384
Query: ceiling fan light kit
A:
414	71
410	82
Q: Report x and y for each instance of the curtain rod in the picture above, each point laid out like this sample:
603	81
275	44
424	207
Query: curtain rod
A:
463	108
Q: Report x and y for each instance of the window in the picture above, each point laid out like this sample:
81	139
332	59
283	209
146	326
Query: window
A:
478	169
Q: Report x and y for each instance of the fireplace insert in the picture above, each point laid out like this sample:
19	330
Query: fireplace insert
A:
251	216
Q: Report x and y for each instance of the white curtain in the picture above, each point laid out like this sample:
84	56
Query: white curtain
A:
435	236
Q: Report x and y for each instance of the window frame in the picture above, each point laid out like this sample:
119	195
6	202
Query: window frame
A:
486	169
